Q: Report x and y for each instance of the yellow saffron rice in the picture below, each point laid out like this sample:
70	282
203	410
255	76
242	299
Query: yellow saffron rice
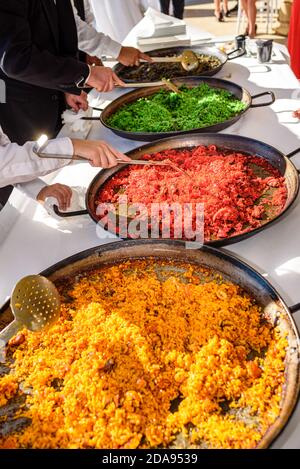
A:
137	359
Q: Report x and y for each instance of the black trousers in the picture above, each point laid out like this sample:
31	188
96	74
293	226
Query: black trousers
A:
178	6
4	195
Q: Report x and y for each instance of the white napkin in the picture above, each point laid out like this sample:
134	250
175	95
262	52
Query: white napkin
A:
156	24
159	18
74	123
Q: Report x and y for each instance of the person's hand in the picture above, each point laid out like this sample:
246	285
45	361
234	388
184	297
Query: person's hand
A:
77	102
103	79
93	61
99	153
130	56
62	193
296	114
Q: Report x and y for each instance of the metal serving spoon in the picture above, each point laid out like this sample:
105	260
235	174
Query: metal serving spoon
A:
169	84
81	158
35	304
189	60
134	162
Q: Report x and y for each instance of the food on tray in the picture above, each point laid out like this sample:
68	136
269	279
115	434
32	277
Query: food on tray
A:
165	111
157	71
239	192
146	354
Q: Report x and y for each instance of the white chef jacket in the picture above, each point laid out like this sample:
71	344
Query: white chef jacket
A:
116	17
90	40
20	166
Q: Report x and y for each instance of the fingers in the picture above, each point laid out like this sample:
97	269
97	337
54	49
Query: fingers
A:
145	57
107	83
82	101
84	105
110	83
103	79
103	160
104	156
130	56
113	156
76	106
99	153
63	194
117	80
98	158
68	196
118	154
111	159
72	102
79	103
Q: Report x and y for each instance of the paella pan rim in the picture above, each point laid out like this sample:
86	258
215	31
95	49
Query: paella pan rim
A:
108	174
132	96
205	50
96	255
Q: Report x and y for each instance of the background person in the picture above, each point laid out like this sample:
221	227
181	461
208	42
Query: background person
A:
221	12
249	7
38	62
40	68
178	7
97	44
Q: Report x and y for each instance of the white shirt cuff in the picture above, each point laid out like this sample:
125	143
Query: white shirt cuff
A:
32	188
114	48
61	146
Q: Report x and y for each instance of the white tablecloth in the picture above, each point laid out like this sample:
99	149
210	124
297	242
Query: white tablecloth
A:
31	240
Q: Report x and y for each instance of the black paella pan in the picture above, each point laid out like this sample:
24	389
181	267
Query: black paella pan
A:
240	93
146	72
274	309
236	143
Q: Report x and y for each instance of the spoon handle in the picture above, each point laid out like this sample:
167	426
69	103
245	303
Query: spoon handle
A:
154	59
7	333
164	59
141	85
171	86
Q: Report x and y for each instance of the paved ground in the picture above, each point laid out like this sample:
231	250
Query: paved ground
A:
201	13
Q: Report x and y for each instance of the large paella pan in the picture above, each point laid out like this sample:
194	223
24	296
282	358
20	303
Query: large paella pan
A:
156	346
225	163
211	61
203	105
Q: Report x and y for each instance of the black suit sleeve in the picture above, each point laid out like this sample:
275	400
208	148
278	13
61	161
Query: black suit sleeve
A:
22	60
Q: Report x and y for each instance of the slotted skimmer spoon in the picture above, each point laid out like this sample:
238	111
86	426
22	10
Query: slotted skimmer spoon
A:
35	304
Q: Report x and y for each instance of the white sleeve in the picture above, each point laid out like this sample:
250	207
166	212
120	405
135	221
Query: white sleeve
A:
90	40
20	164
32	188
